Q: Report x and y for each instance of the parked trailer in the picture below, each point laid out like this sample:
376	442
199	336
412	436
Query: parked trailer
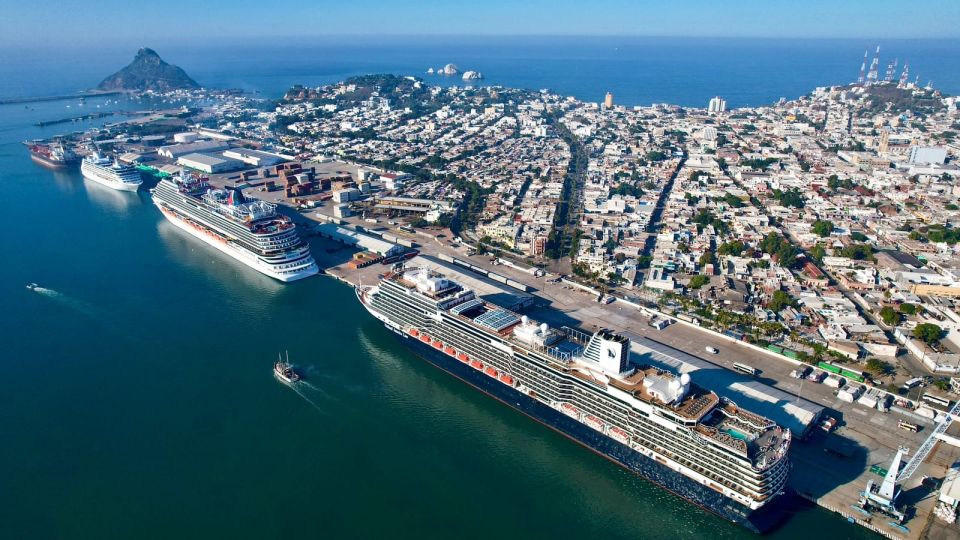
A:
827	366
849	393
834	381
858	376
868	399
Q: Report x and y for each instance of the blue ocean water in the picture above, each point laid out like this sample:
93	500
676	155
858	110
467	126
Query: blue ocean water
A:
639	71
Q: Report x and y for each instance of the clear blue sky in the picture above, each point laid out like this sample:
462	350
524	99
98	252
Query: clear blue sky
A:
116	22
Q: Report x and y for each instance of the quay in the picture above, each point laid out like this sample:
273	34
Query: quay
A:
91	116
38	99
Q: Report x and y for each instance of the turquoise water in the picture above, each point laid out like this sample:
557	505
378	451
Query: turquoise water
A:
737	434
137	401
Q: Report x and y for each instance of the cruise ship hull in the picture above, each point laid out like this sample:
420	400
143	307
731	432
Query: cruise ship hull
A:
239	254
760	521
119	186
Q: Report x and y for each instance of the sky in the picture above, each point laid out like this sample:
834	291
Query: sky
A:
78	23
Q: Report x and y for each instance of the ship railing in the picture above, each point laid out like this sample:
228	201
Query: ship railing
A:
576	335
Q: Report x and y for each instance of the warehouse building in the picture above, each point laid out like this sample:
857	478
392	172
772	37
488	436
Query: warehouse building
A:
174	151
255	158
209	164
363	241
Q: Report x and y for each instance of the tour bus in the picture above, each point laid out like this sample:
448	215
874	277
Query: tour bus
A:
912	383
907	426
743	368
936	400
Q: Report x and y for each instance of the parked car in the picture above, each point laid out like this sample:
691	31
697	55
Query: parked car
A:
711	350
828	423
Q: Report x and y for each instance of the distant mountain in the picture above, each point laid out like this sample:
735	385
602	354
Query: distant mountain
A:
148	72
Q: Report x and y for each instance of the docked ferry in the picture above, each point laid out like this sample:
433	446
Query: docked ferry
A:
655	423
110	173
249	230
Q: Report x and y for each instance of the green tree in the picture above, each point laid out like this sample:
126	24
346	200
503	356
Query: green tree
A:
818	252
908	309
733	247
929	333
781	300
698	281
878	367
822	228
889	315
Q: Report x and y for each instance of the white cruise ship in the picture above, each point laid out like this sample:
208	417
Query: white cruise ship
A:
249	230
661	426
110	173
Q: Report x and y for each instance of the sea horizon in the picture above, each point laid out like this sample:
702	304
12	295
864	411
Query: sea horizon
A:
747	72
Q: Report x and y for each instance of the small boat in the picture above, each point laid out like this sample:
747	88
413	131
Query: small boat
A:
32	286
284	371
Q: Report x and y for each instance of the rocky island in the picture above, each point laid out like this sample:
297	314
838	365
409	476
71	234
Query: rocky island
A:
148	72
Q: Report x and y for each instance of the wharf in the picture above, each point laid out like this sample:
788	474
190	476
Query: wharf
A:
90	116
38	99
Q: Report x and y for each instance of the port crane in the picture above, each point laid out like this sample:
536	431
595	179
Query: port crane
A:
921	454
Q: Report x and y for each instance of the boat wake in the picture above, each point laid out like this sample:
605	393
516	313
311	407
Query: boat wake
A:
73	303
316	389
299	391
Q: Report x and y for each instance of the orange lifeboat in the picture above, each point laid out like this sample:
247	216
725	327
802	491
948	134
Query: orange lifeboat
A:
438	344
424	338
450	350
413	332
619	434
490	371
476	364
570	410
463	357
593	422
506	379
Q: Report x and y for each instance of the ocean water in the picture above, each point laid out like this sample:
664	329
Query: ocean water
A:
136	395
639	71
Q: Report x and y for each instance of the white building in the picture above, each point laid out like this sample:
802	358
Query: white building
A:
930	155
717	105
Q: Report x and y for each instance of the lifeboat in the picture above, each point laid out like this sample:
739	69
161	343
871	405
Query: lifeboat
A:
413	332
476	364
437	344
450	350
490	371
619	434
593	422
425	338
506	379
463	357
570	410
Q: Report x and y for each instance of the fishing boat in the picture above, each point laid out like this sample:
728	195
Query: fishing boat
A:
284	370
